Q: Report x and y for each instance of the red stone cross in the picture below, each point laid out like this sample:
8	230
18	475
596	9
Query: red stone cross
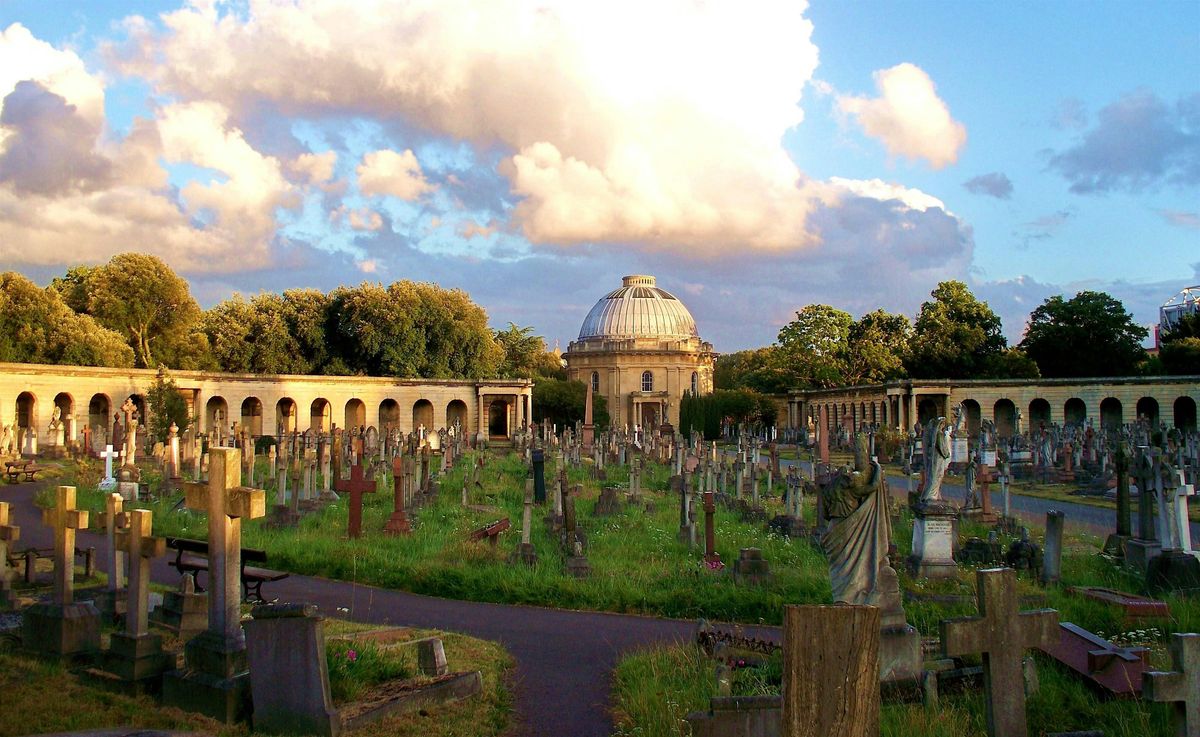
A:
356	485
398	524
1002	634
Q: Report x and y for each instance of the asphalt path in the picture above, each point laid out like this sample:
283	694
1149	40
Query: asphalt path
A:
564	659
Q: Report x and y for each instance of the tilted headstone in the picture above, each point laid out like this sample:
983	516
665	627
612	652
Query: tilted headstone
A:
289	674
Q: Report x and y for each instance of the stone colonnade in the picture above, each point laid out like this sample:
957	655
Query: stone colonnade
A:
1013	405
265	405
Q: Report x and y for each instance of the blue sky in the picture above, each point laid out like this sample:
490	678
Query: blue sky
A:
756	159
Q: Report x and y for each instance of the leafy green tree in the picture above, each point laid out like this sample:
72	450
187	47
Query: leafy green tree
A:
760	369
1011	363
1091	334
37	327
73	287
875	347
812	348
1179	353
166	405
564	402
525	355
955	335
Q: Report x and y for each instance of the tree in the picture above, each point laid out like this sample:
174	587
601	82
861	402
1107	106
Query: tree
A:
166	405
525	355
955	335
37	327
564	402
812	348
1091	334
1011	363
1180	350
141	298
875	348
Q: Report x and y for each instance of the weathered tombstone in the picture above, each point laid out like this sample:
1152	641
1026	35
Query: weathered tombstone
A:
398	523
63	627
830	671
1052	551
135	656
525	551
1139	551
183	611
9	534
1115	670
289	675
1181	687
215	680
608	503
1115	544
431	657
751	569
711	557
1002	634
112	519
355	486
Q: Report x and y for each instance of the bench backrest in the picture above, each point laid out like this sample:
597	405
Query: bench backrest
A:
201	547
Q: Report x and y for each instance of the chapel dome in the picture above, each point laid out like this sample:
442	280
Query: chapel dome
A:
638	309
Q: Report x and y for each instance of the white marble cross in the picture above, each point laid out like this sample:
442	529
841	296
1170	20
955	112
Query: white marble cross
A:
1183	526
109	455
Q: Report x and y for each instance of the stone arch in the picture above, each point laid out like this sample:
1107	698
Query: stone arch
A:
389	415
422	414
252	416
320	415
497	418
1039	412
456	410
26	410
927	410
286	416
974	417
1185	413
1004	414
211	420
1075	411
356	414
65	403
1111	414
99	414
1147	407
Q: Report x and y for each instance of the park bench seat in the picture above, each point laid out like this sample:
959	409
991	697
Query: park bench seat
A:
191	556
14	469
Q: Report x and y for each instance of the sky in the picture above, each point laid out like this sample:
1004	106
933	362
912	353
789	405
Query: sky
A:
755	156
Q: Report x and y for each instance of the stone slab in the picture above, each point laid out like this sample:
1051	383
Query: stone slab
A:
449	689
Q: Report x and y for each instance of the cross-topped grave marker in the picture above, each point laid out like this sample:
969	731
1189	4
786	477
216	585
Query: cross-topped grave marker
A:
215	681
136	542
398	524
109	481
112	519
1002	634
65	519
1181	687
356	486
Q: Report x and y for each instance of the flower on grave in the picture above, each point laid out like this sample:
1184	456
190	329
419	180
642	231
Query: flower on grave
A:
352	655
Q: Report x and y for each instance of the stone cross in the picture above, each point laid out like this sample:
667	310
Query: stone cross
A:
87	440
9	534
711	556
136	542
356	486
1183	527
398	523
1181	687
128	408
65	519
112	519
227	502
1002	634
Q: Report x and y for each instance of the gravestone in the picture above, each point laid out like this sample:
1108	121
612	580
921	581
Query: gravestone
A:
112	519
355	486
289	674
215	680
1052	551
431	657
1181	687
1002	634
608	504
525	552
135	656
711	557
1115	544
751	569
9	534
1116	670
63	627
1140	550
109	482
398	523
183	611
830	671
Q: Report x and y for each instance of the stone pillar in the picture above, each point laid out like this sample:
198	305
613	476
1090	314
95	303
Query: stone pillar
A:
1052	551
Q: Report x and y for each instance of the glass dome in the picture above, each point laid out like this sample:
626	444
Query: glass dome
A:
638	309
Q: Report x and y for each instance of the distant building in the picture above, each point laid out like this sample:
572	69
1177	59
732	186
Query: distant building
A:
639	348
1187	302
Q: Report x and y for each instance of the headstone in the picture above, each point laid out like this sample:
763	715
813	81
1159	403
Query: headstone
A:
183	611
711	557
525	551
135	655
355	486
215	680
1052	550
830	671
751	569
1181	687
398	523
431	657
1117	671
1002	634
289	674
109	481
9	534
608	504
112	519
63	627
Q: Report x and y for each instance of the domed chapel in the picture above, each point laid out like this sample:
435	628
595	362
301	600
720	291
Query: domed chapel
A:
639	348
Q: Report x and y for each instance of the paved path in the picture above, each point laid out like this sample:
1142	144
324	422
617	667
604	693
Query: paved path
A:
564	658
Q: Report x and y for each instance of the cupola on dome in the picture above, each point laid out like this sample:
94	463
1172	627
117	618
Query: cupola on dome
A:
638	309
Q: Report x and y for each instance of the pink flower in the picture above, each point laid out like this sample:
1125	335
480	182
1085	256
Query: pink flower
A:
351	655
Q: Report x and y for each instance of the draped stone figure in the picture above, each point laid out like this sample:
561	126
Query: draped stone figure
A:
856	542
937	455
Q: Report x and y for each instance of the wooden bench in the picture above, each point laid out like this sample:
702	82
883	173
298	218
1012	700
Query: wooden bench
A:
14	469
491	532
191	556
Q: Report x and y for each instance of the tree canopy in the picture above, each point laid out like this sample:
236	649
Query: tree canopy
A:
1180	347
1091	334
526	356
956	336
36	326
563	402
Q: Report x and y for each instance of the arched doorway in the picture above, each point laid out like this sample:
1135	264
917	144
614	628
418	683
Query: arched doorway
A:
1111	417
1147	409
422	415
286	416
99	418
216	416
456	412
1039	413
1004	414
1074	411
389	416
1185	413
497	419
356	414
252	411
26	410
974	417
320	415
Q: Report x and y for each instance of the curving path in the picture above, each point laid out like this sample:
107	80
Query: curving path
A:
564	658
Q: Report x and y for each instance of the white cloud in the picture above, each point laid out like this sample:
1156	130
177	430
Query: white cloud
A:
316	168
390	173
908	116
24	57
883	191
